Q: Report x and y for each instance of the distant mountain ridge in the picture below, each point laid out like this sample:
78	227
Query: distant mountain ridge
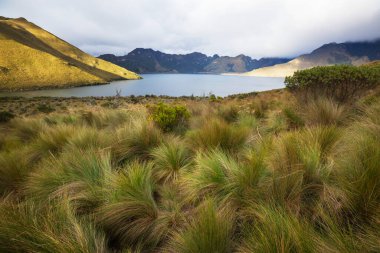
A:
31	57
143	60
351	53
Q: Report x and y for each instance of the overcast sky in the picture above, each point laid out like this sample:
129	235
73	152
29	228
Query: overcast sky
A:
258	28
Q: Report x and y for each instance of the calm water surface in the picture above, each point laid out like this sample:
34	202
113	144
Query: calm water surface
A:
167	84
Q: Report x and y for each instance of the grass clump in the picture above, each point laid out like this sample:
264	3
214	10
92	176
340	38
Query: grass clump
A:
218	134
324	111
50	228
130	211
136	141
210	231
275	230
170	159
78	175
223	178
14	169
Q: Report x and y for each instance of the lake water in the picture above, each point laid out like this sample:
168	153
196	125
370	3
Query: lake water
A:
166	84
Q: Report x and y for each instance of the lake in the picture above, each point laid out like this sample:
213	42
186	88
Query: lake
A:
166	84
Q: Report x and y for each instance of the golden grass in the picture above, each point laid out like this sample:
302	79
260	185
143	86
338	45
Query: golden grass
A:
34	58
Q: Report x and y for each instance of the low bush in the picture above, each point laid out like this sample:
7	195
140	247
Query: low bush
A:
341	82
169	117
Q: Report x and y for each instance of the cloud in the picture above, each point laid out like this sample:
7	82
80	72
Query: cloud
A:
258	28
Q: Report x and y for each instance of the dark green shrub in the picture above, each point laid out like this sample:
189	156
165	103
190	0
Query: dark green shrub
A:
169	117
6	116
341	82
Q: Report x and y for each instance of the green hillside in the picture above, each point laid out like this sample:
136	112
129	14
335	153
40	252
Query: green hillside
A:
34	58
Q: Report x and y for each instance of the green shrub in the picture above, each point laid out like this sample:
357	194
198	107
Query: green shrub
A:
341	82
169	117
6	116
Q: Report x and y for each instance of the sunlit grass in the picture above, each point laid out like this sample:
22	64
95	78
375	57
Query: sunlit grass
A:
111	181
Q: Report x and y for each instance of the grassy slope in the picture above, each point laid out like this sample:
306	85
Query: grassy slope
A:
42	44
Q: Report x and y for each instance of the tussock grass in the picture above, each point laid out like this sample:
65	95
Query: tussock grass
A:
301	166
170	159
136	141
130	211
109	118
51	141
324	111
78	175
111	181
359	169
218	134
27	129
225	179
210	231
275	230
14	168
27	227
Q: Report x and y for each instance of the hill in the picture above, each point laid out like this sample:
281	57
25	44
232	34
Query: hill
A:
143	60
351	53
34	58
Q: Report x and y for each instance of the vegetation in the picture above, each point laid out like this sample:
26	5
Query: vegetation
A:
260	173
168	117
340	82
35	58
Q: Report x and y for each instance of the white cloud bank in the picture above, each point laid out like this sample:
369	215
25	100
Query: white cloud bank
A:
258	28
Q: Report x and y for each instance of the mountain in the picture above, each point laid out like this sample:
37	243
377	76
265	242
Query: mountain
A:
143	60
351	53
34	58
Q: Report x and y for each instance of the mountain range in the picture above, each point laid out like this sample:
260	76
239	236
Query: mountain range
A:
351	53
143	61
34	58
